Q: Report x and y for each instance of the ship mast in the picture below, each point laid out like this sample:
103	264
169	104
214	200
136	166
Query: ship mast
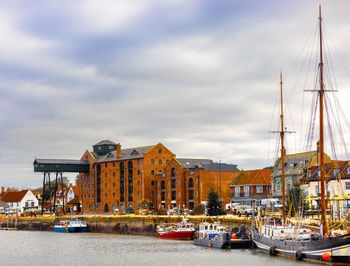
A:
283	152
322	173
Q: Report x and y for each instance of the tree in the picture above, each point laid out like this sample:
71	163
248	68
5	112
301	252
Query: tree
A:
76	181
296	199
214	206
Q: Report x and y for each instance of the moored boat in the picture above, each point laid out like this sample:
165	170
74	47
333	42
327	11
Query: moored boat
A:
213	235
177	231
296	240
73	226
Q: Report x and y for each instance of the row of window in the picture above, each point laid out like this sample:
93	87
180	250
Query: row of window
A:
246	190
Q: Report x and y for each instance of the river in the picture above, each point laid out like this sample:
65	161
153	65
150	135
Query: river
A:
49	248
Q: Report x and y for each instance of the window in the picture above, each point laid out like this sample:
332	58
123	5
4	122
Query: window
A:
113	195
152	183
152	194
318	189
167	161
113	185
178	181
106	195
138	183
106	175
105	165
259	189
347	185
91	206
178	194
138	193
106	185
159	151
152	172
168	183
197	180
88	195
237	191
113	164
138	162
160	162
197	193
113	174
246	191
168	195
89	186
138	172
93	196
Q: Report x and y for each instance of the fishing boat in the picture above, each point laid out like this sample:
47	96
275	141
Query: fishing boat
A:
183	230
284	238
70	226
212	234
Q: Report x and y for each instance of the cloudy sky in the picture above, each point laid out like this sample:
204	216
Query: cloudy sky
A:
199	76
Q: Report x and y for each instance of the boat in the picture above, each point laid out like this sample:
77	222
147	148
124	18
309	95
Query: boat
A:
183	230
280	237
212	234
72	226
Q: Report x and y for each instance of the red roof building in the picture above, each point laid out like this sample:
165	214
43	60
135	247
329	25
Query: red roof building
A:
251	185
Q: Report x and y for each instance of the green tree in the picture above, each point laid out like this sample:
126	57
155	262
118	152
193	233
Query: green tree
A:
214	206
295	200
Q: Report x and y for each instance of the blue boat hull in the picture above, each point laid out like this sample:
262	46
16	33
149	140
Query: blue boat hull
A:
70	229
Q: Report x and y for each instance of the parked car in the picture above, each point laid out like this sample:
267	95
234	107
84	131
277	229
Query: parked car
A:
231	207
244	210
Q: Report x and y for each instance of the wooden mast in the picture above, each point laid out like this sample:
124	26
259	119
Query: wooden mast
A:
322	173
282	157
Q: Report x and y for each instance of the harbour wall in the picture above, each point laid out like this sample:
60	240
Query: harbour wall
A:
119	224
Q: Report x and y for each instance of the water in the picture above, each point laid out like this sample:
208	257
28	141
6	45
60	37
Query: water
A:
49	248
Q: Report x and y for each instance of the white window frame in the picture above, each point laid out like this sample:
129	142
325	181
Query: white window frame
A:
259	189
237	191
246	191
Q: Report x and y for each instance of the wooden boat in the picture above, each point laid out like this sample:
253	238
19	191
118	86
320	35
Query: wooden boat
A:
72	226
290	240
177	231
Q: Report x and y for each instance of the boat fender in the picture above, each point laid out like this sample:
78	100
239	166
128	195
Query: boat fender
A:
273	251
326	256
299	255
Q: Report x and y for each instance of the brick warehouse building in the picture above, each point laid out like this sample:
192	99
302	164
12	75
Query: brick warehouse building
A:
186	182
120	178
148	176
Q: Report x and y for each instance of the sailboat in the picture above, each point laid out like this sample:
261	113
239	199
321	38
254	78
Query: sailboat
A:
281	238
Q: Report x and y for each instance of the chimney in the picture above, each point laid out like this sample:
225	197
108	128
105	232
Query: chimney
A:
119	150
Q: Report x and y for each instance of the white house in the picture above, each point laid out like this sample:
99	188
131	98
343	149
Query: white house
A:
20	200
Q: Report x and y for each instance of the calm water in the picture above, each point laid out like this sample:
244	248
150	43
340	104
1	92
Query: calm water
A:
48	248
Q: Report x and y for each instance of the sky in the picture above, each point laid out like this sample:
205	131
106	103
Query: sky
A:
199	76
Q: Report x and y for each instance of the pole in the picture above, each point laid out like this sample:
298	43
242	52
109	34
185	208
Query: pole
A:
322	176
54	200
49	192
43	196
282	156
62	193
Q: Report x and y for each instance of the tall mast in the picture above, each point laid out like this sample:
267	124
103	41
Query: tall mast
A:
282	156
322	174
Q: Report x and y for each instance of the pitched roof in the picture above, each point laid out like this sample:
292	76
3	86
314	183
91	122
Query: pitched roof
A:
189	163
126	154
14	196
220	167
104	142
294	163
253	177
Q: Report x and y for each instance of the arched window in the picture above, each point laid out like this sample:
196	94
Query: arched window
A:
190	189
106	208
122	182
114	207
98	183
173	184
162	187
130	181
91	206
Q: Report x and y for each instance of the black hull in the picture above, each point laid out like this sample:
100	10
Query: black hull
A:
338	247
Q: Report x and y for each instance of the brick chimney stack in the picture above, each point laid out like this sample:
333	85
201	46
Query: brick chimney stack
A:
119	150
